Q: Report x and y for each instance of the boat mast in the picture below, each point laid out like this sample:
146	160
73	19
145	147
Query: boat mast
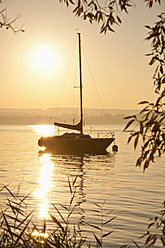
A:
80	71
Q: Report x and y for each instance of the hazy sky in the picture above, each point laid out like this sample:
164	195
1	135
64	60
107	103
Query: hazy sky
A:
116	63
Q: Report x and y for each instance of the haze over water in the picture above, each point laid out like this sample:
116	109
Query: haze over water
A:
133	196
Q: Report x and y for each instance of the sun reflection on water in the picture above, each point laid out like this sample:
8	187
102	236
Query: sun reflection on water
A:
40	236
45	185
44	130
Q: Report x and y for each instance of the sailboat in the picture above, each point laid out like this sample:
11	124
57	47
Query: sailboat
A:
76	142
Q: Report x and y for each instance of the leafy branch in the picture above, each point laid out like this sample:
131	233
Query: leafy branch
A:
107	13
150	122
157	224
6	23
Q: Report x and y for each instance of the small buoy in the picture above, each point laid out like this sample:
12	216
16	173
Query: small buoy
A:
115	148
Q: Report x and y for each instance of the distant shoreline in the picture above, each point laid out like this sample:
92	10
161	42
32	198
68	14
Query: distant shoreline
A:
65	115
47	121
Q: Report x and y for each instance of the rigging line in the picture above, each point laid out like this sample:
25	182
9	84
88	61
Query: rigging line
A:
97	91
64	82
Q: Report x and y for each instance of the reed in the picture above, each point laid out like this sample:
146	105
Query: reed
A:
17	228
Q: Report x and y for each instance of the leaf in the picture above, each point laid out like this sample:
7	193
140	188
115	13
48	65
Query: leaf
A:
136	141
89	4
97	227
75	9
147	27
106	234
26	218
146	109
141	127
4	186
129	139
97	211
16	210
7	224
23	230
100	17
146	164
135	243
139	161
75	179
151	224
9	191
148	240
129	117
98	241
143	102
161	69
59	211
71	2
109	220
70	186
71	211
152	61
163	240
119	20
56	221
128	124
97	205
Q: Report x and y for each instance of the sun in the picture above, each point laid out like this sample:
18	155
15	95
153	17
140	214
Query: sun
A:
44	58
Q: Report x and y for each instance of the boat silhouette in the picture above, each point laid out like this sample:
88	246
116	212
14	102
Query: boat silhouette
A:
76	142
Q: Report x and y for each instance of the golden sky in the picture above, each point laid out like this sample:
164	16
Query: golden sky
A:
34	64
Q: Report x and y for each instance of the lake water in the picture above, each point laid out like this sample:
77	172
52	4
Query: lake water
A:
111	179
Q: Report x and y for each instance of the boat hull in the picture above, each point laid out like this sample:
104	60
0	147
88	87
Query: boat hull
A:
91	145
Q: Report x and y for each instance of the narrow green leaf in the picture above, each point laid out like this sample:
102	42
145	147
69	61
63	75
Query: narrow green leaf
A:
161	69
146	164
152	61
9	191
106	234
98	241
136	141
146	109
60	213
26	196
71	2
100	17
119	20
7	224
151	224
15	209
128	124
96	227
136	244
4	186
147	27
143	102
62	206
23	230
148	240
129	139
109	220
129	117
75	179
96	211
75	9
56	222
70	186
71	211
139	161
97	205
